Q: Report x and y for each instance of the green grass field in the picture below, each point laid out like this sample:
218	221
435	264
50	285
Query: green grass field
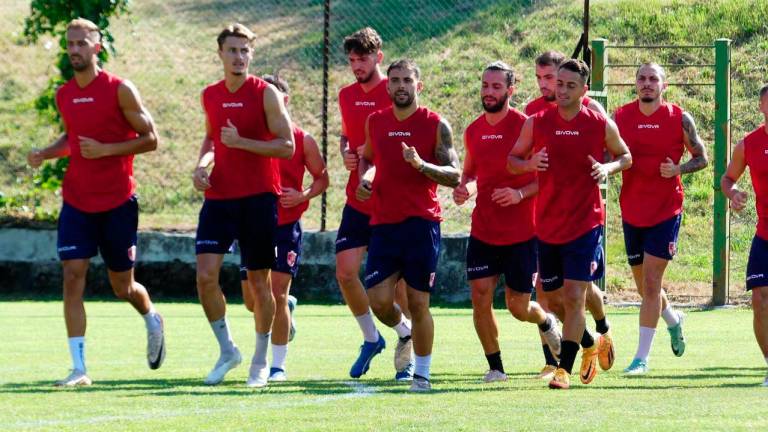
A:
715	386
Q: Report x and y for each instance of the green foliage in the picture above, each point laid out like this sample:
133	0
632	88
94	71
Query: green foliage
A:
51	17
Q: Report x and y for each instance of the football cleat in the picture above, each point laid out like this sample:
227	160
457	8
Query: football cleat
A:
223	365
637	367
156	346
547	372
494	376
368	350
605	351
420	384
677	340
588	369
75	378
561	380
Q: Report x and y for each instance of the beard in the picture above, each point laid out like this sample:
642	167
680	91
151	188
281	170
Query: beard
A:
647	99
365	79
550	98
79	67
405	104
498	106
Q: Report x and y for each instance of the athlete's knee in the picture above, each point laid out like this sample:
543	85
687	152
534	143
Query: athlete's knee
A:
760	302
574	296
73	274
481	295
207	279
518	308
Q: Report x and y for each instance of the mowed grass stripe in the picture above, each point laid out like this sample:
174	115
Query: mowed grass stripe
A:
715	386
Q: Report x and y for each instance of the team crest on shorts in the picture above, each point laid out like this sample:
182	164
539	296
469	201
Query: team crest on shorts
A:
432	279
290	258
592	267
672	248
132	253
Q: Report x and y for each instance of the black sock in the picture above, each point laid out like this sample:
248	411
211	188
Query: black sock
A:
494	361
548	357
546	325
601	326
568	355
587	340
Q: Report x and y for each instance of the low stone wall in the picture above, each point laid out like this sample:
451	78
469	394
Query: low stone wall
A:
29	267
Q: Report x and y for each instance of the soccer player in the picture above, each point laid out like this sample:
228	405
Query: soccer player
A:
294	201
409	150
563	144
503	237
247	127
546	65
657	134
366	95
752	152
105	125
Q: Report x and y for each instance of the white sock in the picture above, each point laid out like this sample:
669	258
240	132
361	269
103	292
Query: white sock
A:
260	354
279	352
670	316
221	331
646	340
365	321
403	328
422	365
77	352
152	320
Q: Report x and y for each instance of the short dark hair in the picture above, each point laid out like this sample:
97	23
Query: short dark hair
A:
763	90
363	41
550	58
499	65
278	82
87	25
576	65
405	64
236	30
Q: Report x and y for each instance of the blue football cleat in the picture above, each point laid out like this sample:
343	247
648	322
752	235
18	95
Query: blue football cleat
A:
368	351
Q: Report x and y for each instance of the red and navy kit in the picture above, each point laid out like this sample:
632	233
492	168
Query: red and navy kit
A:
569	208
405	215
241	203
501	238
541	103
756	158
100	211
355	105
239	173
651	205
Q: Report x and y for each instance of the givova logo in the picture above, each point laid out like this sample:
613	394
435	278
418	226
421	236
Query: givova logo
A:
83	100
232	105
566	133
365	103
399	134
492	137
648	126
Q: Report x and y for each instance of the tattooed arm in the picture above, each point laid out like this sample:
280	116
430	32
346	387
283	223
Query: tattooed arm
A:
446	172
695	147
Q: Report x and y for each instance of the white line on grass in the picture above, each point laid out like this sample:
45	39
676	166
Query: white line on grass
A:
359	390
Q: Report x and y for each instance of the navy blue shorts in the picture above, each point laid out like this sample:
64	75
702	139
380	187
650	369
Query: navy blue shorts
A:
288	238
410	247
757	266
580	260
517	262
112	233
659	240
354	230
249	220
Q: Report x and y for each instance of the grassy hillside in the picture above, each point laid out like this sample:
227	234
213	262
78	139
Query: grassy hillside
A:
168	49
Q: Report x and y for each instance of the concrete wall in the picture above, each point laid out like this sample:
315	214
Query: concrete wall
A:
29	267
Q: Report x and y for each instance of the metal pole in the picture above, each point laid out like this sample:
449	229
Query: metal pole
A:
585	38
599	62
326	51
721	225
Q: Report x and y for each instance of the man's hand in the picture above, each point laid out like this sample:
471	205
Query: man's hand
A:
229	135
460	194
291	197
738	200
92	149
506	196
35	158
539	161
200	179
599	171
363	191
412	156
351	159
668	169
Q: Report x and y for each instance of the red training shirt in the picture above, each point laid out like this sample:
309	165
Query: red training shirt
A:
756	157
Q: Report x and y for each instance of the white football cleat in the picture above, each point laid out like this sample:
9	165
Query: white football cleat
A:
223	365
494	376
75	378
258	376
553	337
156	346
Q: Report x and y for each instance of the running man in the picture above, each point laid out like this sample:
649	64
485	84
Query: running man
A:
503	234
657	134
357	101
294	201
752	152
247	125
105	125
563	144
410	151
546	65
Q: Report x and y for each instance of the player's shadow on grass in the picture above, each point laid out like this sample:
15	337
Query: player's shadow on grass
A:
99	386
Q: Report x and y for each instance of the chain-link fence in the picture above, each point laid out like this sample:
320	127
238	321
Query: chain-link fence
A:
168	49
